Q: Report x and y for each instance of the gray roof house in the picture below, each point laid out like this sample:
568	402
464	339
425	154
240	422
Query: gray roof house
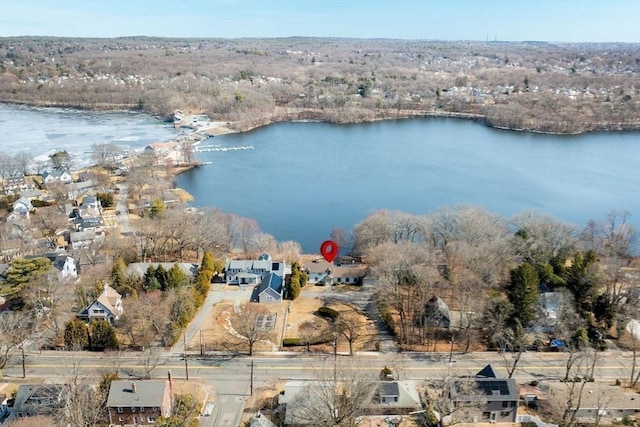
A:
65	264
501	396
251	272
22	206
140	402
609	402
56	176
435	314
33	400
322	272
139	269
271	289
82	239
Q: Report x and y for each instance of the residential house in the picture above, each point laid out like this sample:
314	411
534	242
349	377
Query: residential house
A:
108	306
65	264
139	269
139	403
549	306
435	314
607	401
500	395
394	398
322	272
83	239
33	400
168	153
16	185
385	398
22	206
62	176
251	272
271	289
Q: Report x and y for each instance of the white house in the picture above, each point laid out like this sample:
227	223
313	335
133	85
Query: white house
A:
322	272
22	206
56	176
108	306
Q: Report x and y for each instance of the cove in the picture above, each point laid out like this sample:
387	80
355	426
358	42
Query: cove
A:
301	180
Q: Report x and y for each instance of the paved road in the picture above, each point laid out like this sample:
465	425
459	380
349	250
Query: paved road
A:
231	375
121	209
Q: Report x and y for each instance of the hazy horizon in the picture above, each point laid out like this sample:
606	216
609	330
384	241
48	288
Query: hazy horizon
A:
568	21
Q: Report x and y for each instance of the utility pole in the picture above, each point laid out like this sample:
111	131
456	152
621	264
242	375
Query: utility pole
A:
251	382
24	370
201	344
186	364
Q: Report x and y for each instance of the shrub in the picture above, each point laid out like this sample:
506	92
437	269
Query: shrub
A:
292	342
328	312
387	318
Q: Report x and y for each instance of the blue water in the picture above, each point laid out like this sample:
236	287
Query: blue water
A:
304	179
43	131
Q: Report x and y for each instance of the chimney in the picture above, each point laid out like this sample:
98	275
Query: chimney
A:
133	387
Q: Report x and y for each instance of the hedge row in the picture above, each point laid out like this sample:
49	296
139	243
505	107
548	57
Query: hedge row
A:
297	342
328	312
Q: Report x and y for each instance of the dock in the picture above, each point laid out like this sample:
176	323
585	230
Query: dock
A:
210	148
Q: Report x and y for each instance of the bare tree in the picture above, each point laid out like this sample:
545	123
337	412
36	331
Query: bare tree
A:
335	397
249	326
49	221
449	400
568	402
86	403
23	162
350	326
15	328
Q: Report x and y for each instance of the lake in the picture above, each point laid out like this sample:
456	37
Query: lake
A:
43	131
301	180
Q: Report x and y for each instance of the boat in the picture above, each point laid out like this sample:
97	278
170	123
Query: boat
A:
178	116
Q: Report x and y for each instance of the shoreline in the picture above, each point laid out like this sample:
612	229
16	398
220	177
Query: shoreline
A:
219	127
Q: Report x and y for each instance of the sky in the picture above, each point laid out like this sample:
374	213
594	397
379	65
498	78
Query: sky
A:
502	20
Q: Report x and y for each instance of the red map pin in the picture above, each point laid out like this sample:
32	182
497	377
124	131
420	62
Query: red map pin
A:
329	250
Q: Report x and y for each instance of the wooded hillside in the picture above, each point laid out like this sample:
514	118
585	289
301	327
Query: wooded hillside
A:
566	88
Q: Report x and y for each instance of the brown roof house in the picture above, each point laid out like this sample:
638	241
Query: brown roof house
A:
139	403
108	305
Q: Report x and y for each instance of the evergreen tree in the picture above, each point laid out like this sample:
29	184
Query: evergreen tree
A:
103	335
176	278
76	335
523	294
150	280
162	277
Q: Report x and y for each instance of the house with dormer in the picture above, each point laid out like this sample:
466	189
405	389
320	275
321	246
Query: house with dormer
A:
500	396
107	306
251	272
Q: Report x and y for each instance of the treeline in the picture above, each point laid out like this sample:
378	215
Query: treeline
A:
566	88
492	273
